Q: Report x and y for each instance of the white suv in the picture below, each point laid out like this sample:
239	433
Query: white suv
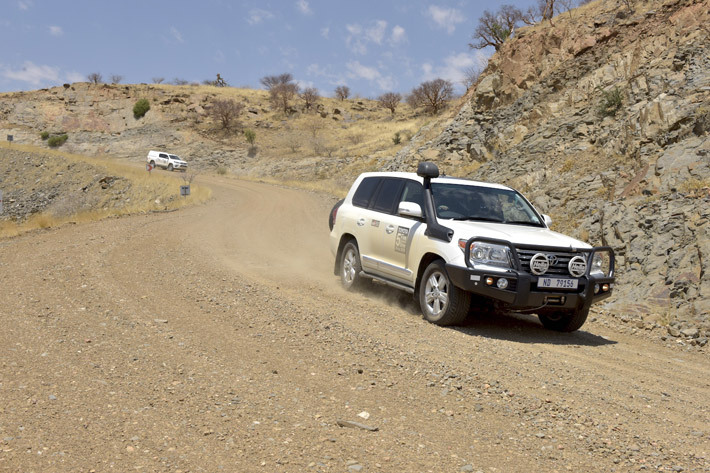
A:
171	162
454	242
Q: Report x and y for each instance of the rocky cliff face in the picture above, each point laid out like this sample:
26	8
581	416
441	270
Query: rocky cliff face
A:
637	179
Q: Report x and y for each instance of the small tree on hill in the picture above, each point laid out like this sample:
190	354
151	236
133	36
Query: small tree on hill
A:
310	96
226	112
281	96
390	100
432	95
269	82
141	108
342	92
494	29
95	78
116	79
158	80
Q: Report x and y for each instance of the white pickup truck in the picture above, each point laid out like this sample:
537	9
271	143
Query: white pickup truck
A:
456	244
171	162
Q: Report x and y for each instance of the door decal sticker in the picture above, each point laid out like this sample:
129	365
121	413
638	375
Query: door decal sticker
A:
400	243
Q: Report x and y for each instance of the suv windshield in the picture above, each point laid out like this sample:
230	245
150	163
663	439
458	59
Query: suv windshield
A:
485	204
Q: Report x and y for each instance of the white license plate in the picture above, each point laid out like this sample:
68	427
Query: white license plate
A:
557	283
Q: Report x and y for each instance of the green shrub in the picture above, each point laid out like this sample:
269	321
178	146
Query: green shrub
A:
397	138
141	108
44	135
250	136
610	102
57	140
221	170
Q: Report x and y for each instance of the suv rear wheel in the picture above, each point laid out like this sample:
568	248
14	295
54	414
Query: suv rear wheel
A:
170	167
350	266
441	302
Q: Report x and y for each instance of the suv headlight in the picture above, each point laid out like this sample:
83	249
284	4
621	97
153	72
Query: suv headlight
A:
601	263
488	254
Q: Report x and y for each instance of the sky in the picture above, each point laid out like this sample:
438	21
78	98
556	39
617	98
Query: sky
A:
370	46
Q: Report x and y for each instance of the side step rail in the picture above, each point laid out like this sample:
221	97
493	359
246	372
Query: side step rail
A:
396	285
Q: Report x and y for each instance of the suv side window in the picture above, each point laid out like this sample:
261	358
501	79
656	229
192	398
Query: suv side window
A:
413	192
388	195
364	192
163	155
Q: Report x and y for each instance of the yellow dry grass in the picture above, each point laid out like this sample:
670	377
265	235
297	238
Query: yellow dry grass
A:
148	192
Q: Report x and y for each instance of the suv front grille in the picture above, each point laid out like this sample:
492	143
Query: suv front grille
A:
560	266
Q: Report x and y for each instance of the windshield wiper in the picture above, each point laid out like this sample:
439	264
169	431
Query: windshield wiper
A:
481	219
523	222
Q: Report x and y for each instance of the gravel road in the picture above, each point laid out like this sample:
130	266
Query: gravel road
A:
217	339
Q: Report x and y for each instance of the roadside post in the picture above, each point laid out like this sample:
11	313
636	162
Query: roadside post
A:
185	190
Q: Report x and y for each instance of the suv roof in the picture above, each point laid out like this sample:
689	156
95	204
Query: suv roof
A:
442	179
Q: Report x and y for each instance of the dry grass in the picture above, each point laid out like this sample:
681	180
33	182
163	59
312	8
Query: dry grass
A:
146	193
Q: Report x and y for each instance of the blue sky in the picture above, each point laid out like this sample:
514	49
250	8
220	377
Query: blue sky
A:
371	46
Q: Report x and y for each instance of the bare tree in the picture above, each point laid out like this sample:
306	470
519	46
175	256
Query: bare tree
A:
95	77
470	76
179	81
269	82
226	112
390	100
342	92
310	96
116	79
432	95
494	29
282	94
158	80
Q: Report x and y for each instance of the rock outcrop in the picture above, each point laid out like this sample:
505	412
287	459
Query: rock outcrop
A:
601	118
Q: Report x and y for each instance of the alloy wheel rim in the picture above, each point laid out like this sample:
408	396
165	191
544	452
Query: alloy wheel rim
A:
436	294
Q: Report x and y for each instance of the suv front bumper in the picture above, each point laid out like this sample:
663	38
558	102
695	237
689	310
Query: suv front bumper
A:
522	291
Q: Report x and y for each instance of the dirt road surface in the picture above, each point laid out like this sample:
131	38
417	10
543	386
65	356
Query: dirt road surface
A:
217	339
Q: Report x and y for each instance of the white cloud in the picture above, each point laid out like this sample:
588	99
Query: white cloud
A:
304	7
304	84
325	32
258	15
25	4
359	37
445	18
33	73
74	76
218	56
176	34
398	35
376	33
454	66
56	30
360	71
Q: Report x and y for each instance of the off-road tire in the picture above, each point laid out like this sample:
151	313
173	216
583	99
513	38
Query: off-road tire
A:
441	302
563	320
170	167
350	266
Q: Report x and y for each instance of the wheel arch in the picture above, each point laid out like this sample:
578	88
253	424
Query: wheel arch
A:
426	260
344	239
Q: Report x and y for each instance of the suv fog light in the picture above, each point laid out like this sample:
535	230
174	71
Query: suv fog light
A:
489	281
596	289
605	287
502	283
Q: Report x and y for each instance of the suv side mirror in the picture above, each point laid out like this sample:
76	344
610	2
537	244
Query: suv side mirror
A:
547	219
410	209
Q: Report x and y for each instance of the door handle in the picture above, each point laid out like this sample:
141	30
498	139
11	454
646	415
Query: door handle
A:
389	229
361	222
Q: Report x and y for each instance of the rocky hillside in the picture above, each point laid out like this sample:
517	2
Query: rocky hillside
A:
601	118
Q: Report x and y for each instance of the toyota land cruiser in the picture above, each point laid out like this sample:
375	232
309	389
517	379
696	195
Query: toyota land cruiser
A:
451	242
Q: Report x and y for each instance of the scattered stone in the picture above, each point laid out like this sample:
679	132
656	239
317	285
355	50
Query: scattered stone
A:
355	425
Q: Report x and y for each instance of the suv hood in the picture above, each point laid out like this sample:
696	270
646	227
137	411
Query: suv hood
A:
516	234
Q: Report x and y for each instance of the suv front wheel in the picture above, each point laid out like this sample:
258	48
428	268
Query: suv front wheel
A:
441	302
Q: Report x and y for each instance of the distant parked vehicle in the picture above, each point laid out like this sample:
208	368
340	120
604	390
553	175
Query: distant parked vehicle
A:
171	162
